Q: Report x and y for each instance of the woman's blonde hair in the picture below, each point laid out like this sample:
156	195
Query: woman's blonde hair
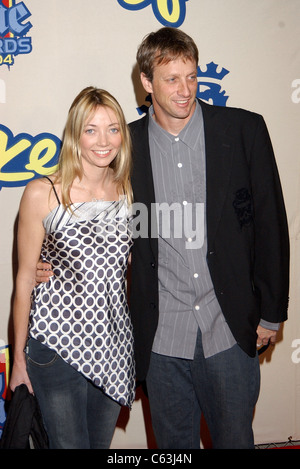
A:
70	162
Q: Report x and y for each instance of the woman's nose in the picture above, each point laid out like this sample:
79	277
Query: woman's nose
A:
102	139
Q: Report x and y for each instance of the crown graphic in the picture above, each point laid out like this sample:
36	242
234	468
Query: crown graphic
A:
212	72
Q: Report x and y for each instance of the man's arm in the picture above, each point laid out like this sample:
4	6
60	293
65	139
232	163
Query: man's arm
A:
271	269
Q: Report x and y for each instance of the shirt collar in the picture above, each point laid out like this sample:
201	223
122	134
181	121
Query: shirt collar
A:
189	135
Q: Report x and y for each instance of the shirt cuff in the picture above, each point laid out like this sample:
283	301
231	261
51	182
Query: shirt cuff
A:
273	326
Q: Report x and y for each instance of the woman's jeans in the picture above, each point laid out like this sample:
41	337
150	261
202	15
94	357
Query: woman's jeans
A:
224	388
76	414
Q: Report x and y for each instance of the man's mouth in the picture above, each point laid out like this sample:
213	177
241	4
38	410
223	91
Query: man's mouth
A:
182	102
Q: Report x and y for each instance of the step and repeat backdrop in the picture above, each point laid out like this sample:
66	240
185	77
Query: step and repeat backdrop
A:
249	58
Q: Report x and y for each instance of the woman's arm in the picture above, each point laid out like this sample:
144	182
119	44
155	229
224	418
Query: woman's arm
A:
33	208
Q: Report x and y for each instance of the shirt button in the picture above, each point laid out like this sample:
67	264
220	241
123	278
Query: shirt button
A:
190	240
196	275
184	202
177	139
179	165
197	308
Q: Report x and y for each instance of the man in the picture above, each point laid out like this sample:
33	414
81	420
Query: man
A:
201	303
199	313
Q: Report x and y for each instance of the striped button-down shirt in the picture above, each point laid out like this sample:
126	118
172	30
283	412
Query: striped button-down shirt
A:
187	300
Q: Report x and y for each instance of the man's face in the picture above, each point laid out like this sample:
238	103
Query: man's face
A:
173	90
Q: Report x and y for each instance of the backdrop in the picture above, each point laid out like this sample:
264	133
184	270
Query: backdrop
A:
249	57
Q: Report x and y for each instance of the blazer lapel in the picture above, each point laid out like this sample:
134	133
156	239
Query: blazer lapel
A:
219	152
142	179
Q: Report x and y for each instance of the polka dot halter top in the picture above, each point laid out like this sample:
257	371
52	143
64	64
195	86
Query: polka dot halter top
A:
82	312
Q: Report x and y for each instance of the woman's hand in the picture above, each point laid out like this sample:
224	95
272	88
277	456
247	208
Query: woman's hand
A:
19	376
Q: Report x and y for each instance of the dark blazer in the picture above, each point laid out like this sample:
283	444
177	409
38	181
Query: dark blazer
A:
248	243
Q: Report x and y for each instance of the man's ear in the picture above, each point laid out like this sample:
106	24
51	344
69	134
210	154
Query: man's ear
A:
147	84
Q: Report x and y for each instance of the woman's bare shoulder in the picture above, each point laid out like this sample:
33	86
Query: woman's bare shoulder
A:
38	195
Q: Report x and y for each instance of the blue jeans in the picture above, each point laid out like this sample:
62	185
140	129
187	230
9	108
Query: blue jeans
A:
224	387
76	414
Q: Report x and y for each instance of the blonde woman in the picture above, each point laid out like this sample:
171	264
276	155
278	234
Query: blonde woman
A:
73	334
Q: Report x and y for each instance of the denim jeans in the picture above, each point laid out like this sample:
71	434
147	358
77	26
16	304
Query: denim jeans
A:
76	414
224	387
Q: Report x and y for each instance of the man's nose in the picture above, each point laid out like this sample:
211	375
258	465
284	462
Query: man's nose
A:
184	89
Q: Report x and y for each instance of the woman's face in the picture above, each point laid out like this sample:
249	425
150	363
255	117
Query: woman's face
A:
101	138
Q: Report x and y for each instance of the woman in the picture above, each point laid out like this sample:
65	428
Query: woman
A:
79	354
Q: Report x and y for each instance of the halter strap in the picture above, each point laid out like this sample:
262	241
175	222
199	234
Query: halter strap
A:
54	190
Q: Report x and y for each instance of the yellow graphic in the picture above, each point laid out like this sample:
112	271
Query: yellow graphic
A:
24	158
168	12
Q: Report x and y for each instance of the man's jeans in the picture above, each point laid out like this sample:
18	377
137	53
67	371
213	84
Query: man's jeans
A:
224	387
76	414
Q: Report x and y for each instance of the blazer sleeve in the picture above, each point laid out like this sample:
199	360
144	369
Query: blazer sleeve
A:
271	252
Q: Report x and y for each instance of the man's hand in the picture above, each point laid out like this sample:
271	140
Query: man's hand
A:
43	272
264	336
